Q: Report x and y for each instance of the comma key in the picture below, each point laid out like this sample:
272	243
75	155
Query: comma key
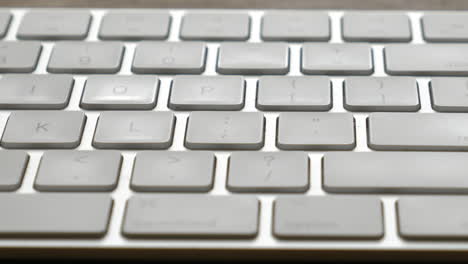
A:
86	170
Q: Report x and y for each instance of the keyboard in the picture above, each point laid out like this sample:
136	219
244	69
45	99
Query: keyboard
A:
233	132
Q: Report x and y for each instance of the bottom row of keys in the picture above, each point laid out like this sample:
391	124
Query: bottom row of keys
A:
294	217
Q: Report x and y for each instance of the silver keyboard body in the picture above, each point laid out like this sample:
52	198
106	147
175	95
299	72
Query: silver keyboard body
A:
265	242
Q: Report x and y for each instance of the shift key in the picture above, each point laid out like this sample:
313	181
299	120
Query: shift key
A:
418	131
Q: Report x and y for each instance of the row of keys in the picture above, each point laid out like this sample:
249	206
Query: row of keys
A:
254	172
237	130
274	93
236	58
275	25
294	217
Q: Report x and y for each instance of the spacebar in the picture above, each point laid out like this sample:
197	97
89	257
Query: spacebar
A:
75	215
395	172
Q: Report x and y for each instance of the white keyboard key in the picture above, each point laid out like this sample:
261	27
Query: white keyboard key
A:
13	164
5	19
337	59
418	131
86	57
313	131
191	216
174	171
285	93
120	92
207	93
88	171
378	94
43	129
215	26
395	172
169	57
19	56
295	26
440	218
376	26
449	94
38	91
135	25
225	130
328	217
445	27
427	59
253	58
268	172
55	24
55	215
134	130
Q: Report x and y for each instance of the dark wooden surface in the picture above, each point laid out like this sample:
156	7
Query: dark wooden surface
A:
325	4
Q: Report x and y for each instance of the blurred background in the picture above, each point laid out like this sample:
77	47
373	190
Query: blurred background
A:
328	4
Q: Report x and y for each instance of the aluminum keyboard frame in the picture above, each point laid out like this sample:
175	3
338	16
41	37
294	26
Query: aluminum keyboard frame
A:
113	241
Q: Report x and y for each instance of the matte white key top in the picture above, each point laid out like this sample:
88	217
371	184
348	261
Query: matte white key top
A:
13	164
55	24
445	27
37	91
5	19
134	129
19	56
191	216
225	130
295	26
395	172
215	26
449	94
287	93
169	57
427	59
86	57
135	25
437	217
174	171
328	217
54	215
376	26
311	131
338	59
43	129
253	58
64	170
418	131
207	93
120	92
381	94
268	172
